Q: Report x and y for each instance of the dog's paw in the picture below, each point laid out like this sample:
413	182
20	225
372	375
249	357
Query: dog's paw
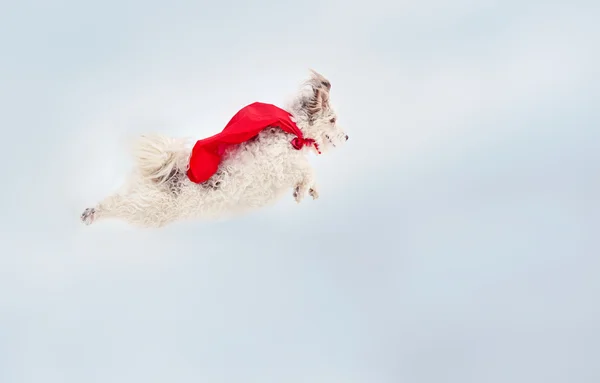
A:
298	195
313	193
88	215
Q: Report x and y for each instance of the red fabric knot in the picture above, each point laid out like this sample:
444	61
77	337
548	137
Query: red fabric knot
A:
299	142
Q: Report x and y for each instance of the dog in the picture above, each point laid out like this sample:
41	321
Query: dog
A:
251	175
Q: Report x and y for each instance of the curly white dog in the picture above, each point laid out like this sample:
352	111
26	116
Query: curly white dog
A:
251	175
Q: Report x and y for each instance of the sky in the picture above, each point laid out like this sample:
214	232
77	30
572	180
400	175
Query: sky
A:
456	234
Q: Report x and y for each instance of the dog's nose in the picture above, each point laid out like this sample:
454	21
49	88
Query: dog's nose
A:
346	137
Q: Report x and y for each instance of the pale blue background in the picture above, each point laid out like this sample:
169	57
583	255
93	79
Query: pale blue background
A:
456	238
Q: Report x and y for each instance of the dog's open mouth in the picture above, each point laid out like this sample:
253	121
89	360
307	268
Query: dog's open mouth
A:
330	140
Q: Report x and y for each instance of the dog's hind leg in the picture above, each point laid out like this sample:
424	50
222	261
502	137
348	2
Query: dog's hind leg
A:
88	216
146	212
108	207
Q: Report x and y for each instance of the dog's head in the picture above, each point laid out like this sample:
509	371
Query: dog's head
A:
315	116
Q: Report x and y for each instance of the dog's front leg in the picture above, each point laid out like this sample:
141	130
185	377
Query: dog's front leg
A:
313	192
306	184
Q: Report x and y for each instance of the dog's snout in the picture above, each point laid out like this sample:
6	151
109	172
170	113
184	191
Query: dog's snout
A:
346	137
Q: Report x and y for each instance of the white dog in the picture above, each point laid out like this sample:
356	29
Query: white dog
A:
251	175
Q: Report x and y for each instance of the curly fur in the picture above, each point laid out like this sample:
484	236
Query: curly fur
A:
251	175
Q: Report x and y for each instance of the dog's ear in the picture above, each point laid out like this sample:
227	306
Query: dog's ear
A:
318	81
319	98
316	103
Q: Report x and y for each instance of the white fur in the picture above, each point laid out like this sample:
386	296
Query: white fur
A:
251	175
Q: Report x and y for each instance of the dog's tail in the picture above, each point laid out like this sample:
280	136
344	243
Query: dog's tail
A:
159	157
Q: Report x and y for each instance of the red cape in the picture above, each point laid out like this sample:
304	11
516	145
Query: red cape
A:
246	124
